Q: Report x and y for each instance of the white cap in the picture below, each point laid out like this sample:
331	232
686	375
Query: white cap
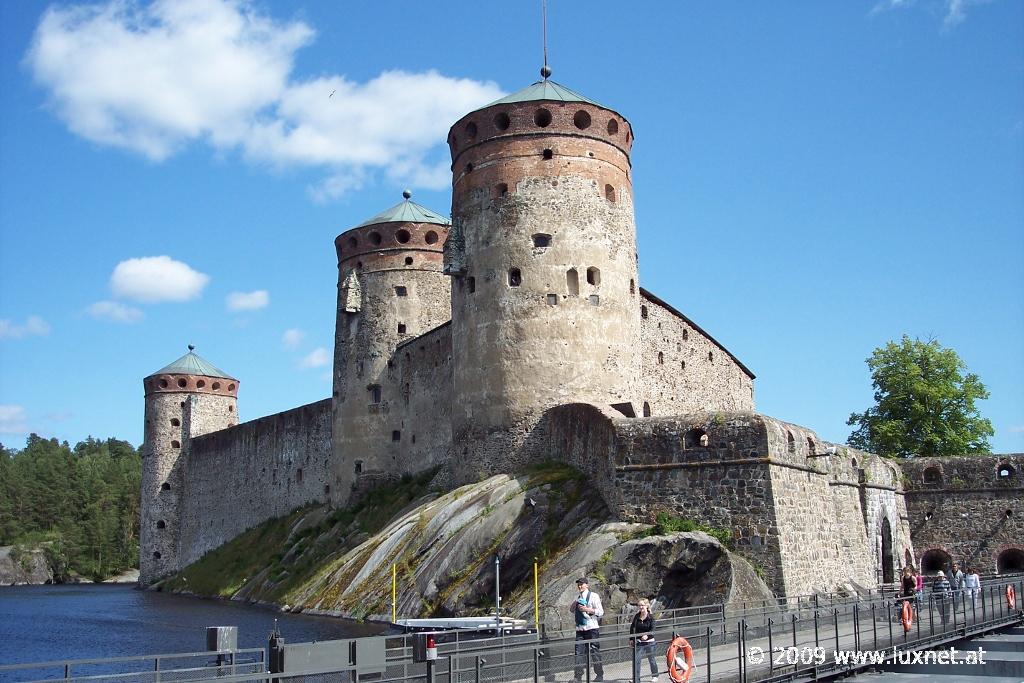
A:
940	573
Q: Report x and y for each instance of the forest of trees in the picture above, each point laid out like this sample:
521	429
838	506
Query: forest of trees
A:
81	504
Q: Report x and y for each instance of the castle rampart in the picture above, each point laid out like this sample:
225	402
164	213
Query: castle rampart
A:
764	480
239	477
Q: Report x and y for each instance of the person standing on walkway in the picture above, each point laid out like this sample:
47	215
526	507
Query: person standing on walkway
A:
972	582
956	579
587	609
642	629
942	595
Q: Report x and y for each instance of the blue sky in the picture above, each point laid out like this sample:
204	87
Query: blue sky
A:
812	179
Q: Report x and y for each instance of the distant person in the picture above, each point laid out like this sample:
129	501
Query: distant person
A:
942	595
908	584
587	609
956	579
972	583
919	577
642	627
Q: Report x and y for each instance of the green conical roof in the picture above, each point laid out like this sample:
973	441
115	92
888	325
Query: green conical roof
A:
544	90
191	364
406	212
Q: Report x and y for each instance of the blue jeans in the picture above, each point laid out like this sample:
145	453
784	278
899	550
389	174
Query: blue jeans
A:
645	650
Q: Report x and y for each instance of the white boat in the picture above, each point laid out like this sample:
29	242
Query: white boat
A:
505	624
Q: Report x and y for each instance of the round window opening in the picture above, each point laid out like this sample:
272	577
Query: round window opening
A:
542	118
402	236
182	382
430	237
613	127
352	242
201	384
163	384
375	238
231	387
471	130
502	121
216	386
581	120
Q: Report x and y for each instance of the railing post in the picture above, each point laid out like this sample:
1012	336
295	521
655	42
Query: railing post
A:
741	627
536	665
931	615
835	623
636	660
478	667
771	647
797	665
874	625
586	644
708	653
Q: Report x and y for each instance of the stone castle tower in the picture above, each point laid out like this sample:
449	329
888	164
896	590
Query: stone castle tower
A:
545	302
391	289
187	398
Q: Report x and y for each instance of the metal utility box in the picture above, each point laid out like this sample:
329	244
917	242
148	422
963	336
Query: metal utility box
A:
367	655
221	638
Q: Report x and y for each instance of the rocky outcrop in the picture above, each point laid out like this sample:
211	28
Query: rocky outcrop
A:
444	551
21	566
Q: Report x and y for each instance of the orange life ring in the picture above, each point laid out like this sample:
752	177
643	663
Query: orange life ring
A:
1011	597
907	616
677	670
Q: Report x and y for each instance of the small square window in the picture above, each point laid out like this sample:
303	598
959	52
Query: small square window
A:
401	291
396	435
401	328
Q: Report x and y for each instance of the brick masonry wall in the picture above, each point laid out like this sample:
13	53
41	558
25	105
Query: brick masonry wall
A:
239	477
683	369
958	512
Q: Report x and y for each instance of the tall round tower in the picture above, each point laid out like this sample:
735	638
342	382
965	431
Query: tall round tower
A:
187	398
391	288
543	250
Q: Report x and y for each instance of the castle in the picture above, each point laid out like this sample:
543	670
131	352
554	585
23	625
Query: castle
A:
518	333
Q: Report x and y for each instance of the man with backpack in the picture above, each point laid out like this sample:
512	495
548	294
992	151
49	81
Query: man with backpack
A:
587	610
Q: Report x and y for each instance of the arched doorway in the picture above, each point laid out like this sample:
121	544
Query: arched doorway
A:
888	569
934	560
1010	561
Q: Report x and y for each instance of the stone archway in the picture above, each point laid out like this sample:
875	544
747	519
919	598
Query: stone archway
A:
1010	561
935	559
888	556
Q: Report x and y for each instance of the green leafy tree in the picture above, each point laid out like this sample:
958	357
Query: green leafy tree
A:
924	403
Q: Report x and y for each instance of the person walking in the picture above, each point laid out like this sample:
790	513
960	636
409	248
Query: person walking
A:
587	610
642	628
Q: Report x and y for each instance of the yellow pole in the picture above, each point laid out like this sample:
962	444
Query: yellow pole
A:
536	599
394	593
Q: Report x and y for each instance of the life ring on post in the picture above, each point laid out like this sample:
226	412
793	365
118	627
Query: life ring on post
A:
907	616
680	660
1011	597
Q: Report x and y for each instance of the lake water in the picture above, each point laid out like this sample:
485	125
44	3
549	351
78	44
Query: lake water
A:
45	623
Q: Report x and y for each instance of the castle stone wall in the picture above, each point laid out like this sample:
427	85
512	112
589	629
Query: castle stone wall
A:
740	471
239	477
683	369
957	507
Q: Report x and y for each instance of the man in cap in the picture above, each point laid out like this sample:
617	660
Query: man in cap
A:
587	609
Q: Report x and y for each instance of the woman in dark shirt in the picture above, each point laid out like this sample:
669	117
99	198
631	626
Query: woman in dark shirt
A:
643	628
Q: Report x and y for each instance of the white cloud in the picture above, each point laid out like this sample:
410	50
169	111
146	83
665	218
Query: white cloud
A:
292	338
155	78
152	279
13	420
248	301
1016	429
316	358
34	326
114	312
954	11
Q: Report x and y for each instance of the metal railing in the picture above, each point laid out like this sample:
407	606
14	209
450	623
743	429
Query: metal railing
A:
758	641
